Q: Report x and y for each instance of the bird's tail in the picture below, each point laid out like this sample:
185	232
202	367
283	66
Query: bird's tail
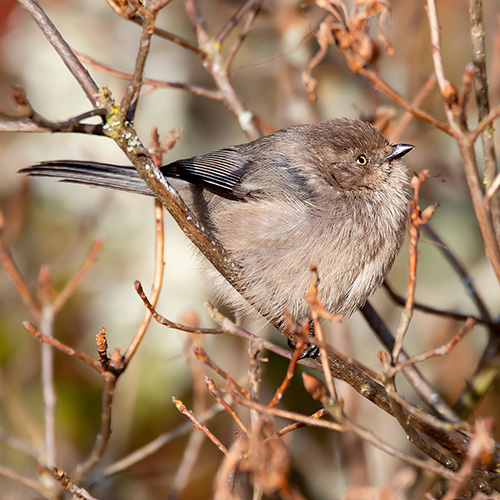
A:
91	173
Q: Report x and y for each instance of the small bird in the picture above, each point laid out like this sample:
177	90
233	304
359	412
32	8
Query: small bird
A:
331	193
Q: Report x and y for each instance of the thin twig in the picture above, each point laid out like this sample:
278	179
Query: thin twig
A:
72	284
255	9
493	189
47	365
70	486
234	20
157	443
182	42
60	346
104	433
442	350
26	114
201	355
485	123
15	275
215	95
157	282
203	428
462	272
230	327
128	103
315	307
422	94
170	324
62	48
299	349
407	424
216	66
24	480
431	420
382	86
185	469
196	439
415	219
297	425
216	394
400	300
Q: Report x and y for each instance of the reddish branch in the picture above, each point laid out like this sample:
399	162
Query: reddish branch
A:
16	277
203	428
416	218
217	396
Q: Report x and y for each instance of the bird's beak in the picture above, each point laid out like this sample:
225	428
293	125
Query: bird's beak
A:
398	150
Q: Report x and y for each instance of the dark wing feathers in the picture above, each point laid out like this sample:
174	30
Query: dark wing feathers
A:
220	172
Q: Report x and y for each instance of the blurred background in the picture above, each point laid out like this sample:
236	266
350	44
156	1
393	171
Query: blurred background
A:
53	224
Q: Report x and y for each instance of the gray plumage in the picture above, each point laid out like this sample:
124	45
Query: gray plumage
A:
331	193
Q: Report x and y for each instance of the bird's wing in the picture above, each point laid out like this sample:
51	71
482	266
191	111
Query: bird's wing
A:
221	172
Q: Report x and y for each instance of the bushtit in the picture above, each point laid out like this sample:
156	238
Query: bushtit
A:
331	193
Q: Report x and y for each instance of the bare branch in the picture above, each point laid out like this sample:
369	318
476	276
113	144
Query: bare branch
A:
157	282
15	275
73	283
24	480
203	428
104	433
483	104
156	84
70	486
60	346
163	439
366	435
62	48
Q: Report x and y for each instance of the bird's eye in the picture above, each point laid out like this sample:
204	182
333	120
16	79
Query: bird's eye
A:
362	160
